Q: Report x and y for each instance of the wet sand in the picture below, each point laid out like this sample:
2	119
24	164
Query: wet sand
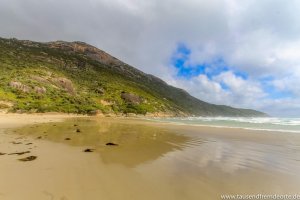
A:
150	161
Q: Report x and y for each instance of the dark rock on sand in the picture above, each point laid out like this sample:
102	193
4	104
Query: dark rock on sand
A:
1	154
78	130
29	158
111	144
88	150
28	143
19	153
40	137
67	138
16	142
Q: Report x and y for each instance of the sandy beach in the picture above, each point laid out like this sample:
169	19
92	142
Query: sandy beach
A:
150	161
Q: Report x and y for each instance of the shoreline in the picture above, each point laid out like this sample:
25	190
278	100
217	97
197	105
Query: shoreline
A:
225	127
190	130
150	118
220	126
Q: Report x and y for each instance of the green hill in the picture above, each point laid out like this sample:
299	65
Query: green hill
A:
74	77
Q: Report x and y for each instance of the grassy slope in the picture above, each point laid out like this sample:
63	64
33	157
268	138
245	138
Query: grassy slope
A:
97	86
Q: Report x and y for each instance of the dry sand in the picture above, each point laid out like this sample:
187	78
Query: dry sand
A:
152	161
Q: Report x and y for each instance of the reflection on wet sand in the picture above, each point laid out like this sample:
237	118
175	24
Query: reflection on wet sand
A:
136	144
163	162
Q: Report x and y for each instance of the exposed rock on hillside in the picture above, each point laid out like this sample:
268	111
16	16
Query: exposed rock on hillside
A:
65	84
40	90
90	51
20	86
131	98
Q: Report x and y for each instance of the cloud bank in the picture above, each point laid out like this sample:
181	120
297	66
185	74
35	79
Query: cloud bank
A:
238	53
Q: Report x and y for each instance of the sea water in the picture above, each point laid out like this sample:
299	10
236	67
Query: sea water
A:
255	123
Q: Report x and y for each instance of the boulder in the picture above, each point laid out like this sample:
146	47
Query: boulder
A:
20	86
40	90
29	158
131	98
65	84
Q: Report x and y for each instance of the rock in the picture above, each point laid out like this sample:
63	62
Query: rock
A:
20	86
28	143
88	50
78	130
5	104
99	91
75	125
29	158
40	79
111	144
40	137
40	90
16	142
131	98
65	84
94	112
88	150
67	138
1	154
131	115
19	153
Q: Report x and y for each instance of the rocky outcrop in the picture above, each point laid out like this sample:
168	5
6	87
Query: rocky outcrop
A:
65	84
40	79
5	105
20	86
99	90
40	90
131	98
24	88
90	51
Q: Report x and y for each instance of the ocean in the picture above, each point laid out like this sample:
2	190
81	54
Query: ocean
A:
254	123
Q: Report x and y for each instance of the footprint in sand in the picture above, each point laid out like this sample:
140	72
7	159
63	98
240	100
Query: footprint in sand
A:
51	196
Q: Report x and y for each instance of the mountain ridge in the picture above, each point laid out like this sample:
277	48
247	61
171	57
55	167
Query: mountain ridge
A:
77	77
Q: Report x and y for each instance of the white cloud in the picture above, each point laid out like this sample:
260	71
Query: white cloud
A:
237	92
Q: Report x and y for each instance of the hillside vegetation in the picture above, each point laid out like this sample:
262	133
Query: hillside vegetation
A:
74	77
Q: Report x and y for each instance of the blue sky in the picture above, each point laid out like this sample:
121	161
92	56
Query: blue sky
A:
238	53
180	60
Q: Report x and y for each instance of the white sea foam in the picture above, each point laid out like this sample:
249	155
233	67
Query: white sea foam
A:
254	123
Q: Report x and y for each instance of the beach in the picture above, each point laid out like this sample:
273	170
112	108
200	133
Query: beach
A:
149	160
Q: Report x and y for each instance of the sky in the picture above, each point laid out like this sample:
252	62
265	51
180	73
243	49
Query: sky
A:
232	52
